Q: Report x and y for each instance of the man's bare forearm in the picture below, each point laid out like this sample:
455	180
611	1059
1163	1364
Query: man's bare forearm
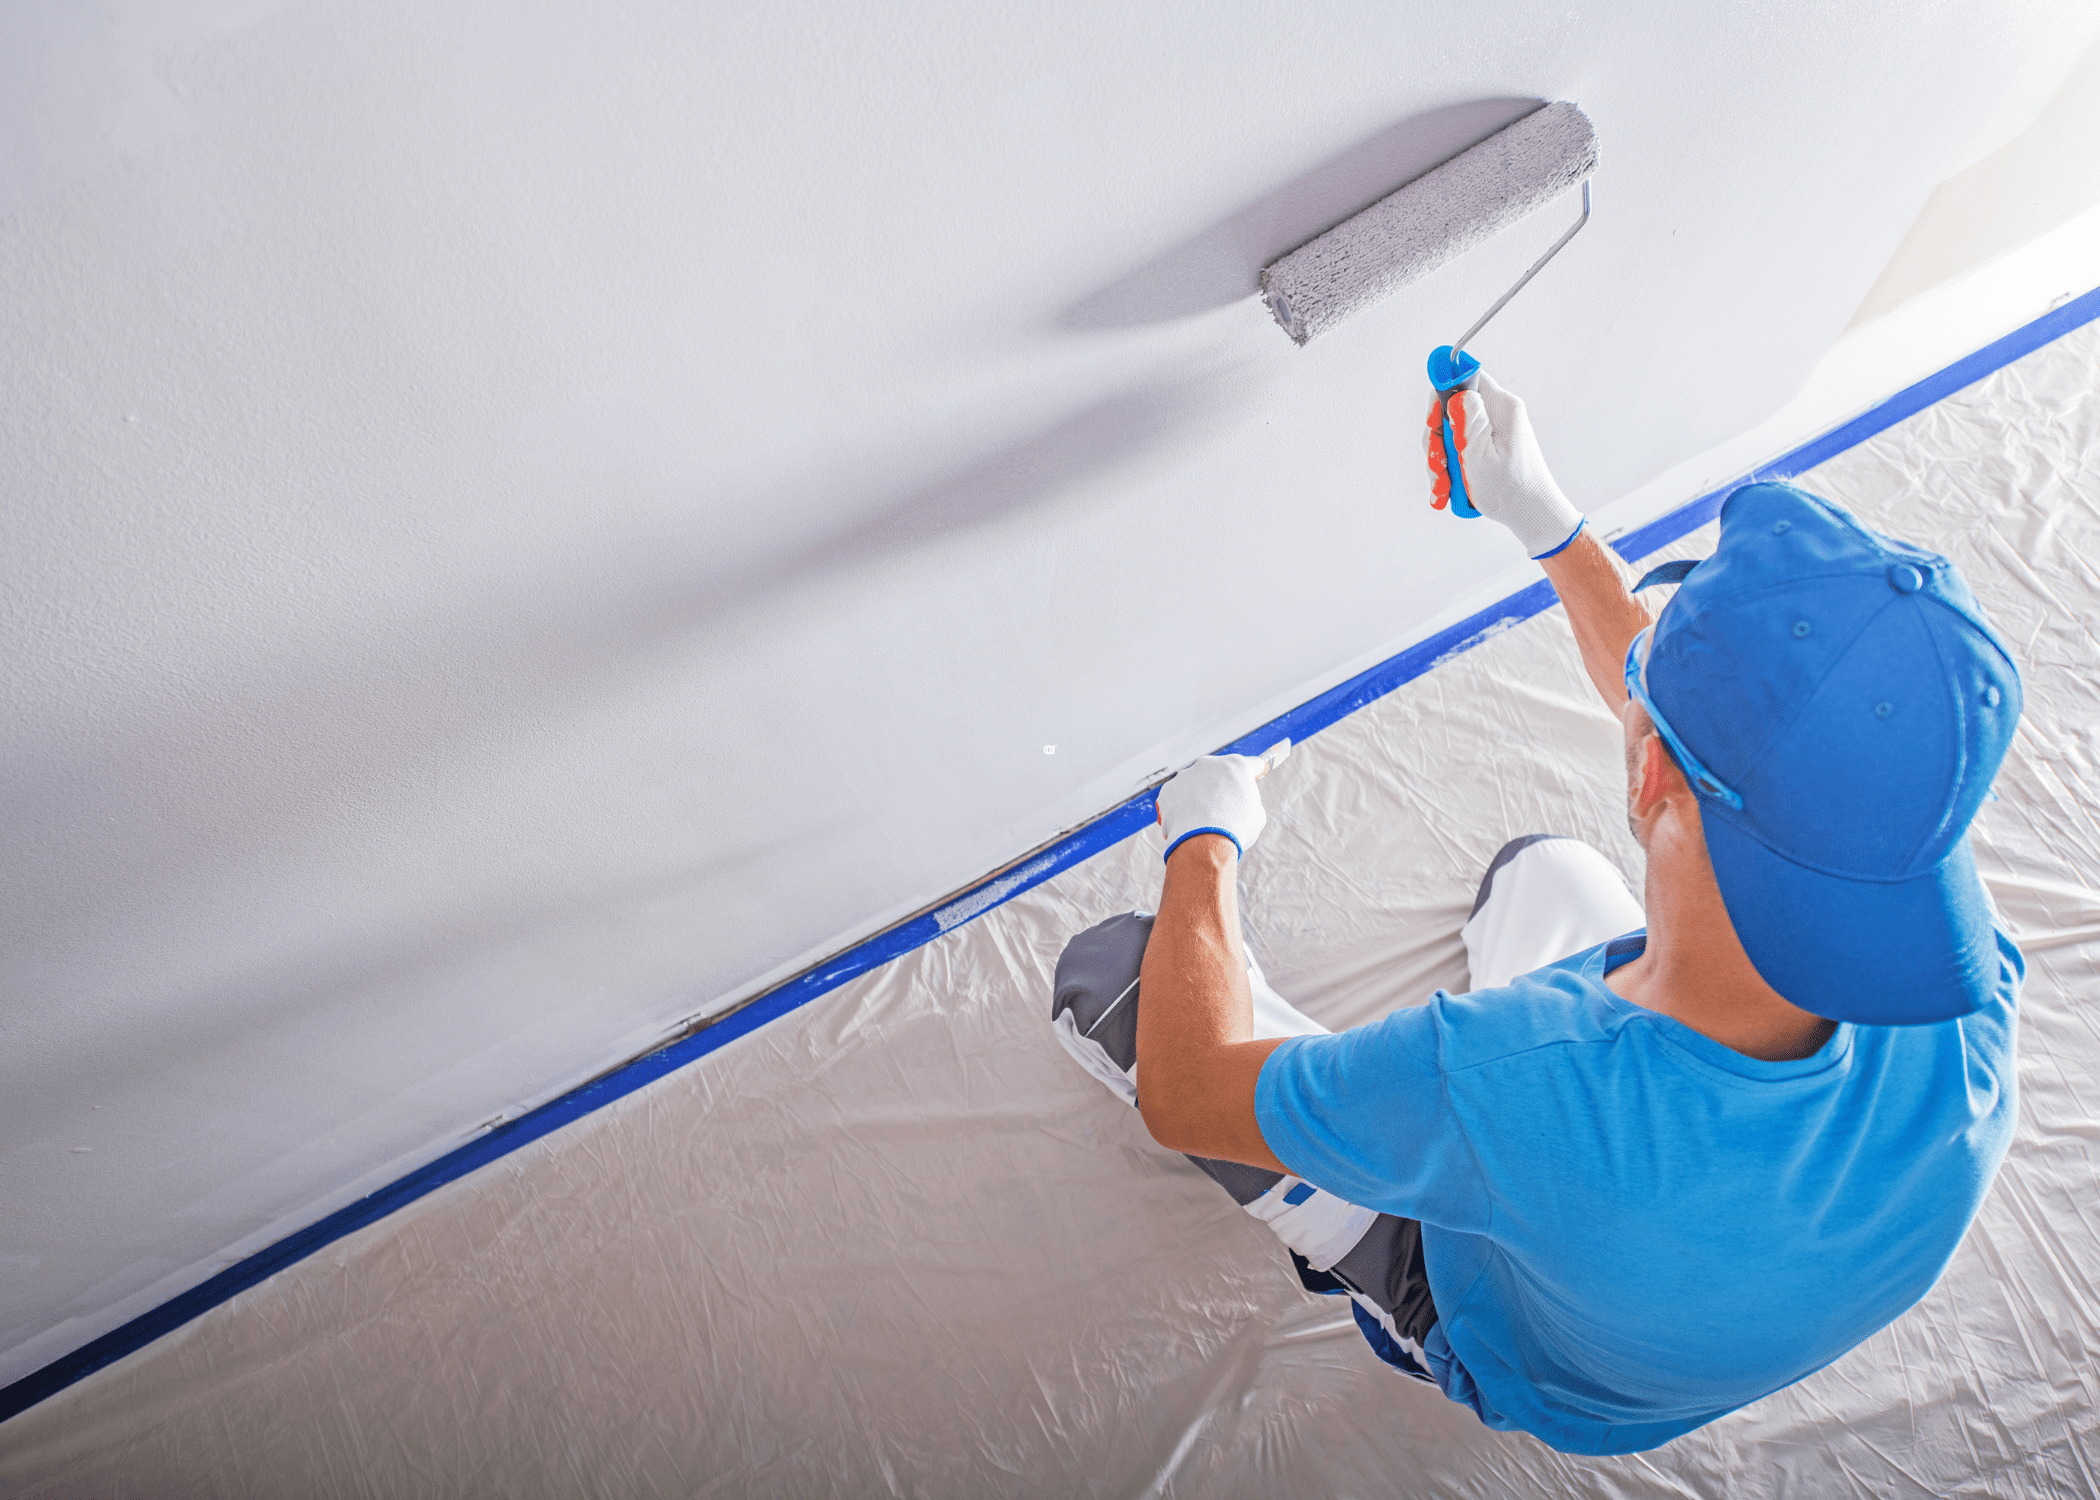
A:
1197	1061
1591	583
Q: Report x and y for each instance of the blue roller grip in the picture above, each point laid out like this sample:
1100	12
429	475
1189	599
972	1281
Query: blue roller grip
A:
1459	372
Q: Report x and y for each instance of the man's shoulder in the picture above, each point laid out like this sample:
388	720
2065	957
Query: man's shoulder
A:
1561	1006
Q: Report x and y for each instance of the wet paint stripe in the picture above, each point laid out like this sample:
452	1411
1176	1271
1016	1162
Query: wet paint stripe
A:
1104	832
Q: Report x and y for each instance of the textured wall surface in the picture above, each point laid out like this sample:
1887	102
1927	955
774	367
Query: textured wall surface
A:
523	521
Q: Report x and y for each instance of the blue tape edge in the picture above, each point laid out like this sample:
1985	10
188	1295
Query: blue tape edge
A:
1104	832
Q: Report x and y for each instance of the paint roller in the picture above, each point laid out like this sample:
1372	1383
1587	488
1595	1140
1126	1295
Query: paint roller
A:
1416	228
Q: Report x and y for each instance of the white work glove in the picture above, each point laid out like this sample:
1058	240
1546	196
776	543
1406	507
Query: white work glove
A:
1217	795
1506	478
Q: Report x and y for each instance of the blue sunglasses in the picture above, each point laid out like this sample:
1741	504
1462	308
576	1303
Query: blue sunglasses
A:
1695	771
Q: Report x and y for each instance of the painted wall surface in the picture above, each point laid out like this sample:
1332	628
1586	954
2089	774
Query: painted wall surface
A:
2046	175
523	523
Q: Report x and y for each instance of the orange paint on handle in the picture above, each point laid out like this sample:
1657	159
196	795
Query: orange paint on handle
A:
1433	449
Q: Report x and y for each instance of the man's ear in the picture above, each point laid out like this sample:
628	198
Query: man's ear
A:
1658	770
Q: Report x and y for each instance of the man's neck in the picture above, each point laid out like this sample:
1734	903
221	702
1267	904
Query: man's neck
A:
1695	970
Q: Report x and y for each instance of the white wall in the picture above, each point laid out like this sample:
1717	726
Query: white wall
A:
524	522
2045	176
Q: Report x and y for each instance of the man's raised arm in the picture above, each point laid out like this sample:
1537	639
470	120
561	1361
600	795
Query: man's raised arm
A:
1591	582
1507	480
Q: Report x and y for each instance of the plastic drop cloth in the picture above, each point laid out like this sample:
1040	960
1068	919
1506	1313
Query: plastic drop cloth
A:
899	1244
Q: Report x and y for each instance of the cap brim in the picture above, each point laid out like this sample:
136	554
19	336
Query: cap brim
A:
1894	953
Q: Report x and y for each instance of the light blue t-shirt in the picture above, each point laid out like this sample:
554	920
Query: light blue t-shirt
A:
1630	1229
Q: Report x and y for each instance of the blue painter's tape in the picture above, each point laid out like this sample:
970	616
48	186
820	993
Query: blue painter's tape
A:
1104	832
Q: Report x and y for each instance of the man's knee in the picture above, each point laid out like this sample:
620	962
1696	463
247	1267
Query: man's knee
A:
1544	897
1503	856
1096	984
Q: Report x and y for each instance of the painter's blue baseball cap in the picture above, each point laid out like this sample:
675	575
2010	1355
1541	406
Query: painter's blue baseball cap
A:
1839	705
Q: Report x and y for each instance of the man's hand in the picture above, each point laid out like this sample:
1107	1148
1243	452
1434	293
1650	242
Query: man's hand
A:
1215	795
1505	473
1507	479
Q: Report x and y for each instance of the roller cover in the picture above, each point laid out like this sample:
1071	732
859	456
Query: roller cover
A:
1445	212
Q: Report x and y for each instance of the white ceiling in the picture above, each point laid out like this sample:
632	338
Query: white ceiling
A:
524	522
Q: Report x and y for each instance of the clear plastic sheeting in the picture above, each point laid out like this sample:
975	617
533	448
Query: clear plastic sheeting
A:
899	1244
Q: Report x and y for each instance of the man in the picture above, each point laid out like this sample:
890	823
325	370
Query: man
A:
1642	1173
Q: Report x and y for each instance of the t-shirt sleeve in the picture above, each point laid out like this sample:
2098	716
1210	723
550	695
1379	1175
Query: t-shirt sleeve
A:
1365	1114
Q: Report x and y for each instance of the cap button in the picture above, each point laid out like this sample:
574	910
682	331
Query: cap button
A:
1905	579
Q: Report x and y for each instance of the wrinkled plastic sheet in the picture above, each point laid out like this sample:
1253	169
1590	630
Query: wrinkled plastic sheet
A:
899	1244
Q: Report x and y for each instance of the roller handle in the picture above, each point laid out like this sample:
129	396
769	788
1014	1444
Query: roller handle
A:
1454	370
